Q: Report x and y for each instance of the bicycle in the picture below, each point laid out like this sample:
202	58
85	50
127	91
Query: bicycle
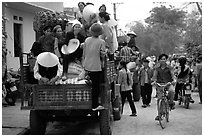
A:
163	104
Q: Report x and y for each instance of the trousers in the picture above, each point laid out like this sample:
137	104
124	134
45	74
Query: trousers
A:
146	93
128	95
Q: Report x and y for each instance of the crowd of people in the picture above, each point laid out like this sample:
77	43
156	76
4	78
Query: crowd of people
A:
147	70
88	42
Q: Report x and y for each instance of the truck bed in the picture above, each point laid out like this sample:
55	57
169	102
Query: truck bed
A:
57	97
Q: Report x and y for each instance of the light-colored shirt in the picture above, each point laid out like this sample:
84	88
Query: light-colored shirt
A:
108	36
122	80
38	76
93	49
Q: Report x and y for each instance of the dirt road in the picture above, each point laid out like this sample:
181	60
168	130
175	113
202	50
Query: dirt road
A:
182	122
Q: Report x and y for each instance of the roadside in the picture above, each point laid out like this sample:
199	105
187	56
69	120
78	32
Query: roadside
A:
14	120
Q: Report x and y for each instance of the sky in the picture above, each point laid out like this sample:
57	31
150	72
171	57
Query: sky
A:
124	9
127	10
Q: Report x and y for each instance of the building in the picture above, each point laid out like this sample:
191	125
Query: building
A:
19	26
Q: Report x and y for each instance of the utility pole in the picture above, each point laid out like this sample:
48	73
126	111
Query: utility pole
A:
114	14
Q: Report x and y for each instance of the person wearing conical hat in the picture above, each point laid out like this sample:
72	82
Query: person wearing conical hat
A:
132	41
93	50
47	68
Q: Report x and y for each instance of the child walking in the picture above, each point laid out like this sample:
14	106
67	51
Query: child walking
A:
126	81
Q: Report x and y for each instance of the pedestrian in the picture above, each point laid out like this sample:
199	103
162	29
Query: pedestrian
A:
132	41
194	78
76	54
93	51
136	85
199	77
145	77
126	82
126	53
47	69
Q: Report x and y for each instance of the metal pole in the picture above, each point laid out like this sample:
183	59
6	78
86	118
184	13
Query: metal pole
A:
114	10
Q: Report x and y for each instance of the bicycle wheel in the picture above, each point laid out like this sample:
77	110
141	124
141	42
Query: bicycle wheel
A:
167	111
162	114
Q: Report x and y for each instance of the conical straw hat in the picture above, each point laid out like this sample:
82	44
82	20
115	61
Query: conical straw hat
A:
47	59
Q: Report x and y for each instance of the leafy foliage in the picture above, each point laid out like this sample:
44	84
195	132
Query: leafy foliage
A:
168	16
45	18
167	30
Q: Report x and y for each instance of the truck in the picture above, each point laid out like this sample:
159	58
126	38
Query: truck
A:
68	102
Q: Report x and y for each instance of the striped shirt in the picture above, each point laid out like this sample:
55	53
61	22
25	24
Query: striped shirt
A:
126	53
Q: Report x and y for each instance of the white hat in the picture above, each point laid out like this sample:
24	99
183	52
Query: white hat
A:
72	46
47	59
149	58
132	33
131	65
74	22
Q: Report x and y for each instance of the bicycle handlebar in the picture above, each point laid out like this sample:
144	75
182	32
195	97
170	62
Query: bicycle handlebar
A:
161	85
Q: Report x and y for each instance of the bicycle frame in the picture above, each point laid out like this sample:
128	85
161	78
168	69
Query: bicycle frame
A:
163	105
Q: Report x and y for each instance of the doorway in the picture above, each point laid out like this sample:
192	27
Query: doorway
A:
17	39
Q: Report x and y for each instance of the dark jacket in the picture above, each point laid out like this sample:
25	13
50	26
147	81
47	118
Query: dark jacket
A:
163	75
47	43
78	53
142	75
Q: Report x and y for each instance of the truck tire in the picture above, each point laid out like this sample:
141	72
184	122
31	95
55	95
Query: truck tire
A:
37	124
105	128
117	108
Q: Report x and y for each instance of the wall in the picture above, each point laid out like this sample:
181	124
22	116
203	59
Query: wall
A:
28	35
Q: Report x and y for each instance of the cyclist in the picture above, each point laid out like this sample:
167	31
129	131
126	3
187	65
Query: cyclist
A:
164	74
184	74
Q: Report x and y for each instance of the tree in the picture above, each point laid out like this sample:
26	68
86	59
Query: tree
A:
193	34
163	32
170	16
166	25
